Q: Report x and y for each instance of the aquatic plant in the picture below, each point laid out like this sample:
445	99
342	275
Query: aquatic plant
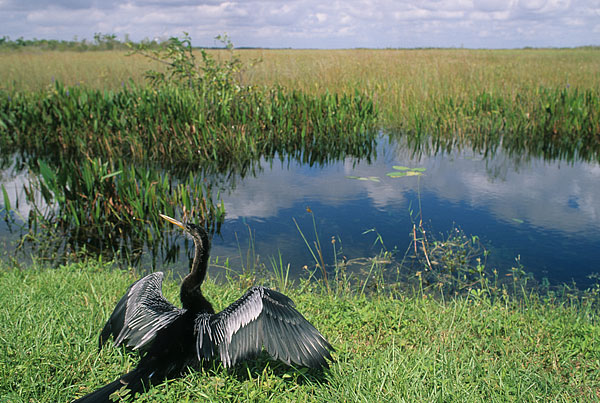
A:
111	207
552	123
401	171
178	126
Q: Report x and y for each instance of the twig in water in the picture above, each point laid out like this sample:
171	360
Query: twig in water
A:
423	243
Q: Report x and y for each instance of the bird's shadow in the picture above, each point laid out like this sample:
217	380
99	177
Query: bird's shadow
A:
264	364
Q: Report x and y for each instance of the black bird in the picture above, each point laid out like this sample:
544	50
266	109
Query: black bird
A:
171	339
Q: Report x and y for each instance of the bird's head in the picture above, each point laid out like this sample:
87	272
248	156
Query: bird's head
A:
197	232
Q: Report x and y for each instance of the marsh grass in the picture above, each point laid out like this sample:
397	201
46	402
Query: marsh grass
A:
402	82
177	126
539	101
35	70
111	208
390	347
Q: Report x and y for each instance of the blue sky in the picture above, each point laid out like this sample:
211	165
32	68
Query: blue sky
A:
315	23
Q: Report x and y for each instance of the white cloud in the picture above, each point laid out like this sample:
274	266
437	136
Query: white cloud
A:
489	16
321	17
351	23
524	191
532	4
492	5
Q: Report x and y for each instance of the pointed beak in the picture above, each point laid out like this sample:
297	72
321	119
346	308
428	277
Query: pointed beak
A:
173	221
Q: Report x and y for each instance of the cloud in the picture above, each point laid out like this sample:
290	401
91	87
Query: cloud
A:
532	5
492	5
311	23
509	190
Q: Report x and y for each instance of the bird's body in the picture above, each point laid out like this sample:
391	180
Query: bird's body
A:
173	339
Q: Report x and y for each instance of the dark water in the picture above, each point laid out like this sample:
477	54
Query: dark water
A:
546	214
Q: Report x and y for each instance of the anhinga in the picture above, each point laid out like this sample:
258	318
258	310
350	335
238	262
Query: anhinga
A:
172	339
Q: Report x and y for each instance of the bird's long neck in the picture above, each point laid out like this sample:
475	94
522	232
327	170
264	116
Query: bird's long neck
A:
191	292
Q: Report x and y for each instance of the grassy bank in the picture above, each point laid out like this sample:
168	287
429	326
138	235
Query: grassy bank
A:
410	347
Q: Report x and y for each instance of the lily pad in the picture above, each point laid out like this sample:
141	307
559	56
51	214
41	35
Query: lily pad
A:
401	174
403	168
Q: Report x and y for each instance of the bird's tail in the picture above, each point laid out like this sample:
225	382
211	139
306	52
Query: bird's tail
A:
131	382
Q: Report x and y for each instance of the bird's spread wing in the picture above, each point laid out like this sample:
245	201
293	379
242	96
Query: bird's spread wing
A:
140	314
261	317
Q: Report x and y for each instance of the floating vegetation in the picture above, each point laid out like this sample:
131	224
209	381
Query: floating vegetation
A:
402	171
403	168
402	174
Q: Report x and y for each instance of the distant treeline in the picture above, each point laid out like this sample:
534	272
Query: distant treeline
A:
100	42
111	42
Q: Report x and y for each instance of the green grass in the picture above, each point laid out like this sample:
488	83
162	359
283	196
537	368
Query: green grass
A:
483	345
222	129
543	102
398	80
407	348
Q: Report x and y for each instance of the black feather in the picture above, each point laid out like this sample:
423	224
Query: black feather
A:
140	314
264	317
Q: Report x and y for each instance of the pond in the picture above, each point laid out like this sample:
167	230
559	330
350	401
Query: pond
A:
545	214
540	215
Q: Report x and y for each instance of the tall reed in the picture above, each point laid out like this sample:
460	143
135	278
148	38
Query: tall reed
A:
551	123
112	207
175	125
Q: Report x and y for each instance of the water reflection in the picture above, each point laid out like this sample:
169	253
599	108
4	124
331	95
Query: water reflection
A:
549	195
110	207
544	213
